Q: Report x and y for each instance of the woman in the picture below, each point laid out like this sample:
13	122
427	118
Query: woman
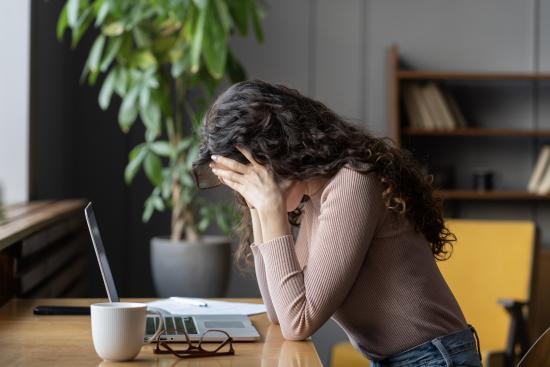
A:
369	227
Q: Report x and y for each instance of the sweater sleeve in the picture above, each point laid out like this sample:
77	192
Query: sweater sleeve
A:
350	209
262	284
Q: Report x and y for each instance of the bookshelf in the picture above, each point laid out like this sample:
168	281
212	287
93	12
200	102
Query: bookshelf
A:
489	195
399	131
476	132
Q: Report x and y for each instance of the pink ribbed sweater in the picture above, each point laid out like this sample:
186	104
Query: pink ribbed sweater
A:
362	265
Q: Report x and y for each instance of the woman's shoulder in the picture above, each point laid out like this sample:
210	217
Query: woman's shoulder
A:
353	182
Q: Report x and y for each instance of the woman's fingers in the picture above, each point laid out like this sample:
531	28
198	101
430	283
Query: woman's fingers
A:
233	185
228	175
248	155
230	163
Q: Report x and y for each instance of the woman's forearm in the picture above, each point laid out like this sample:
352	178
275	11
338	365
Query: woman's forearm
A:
256	226
274	224
260	268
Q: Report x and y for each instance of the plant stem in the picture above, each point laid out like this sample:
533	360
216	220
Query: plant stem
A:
183	218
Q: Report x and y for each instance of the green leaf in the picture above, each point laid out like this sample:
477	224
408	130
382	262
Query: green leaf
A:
223	221
62	23
257	16
137	155
179	66
102	13
136	150
107	89
121	83
150	135
201	4
191	156
72	12
162	148
144	97
113	29
187	180
203	224
184	144
95	53
141	37
234	69
148	210
150	114
110	53
197	43
82	26
239	12
128	111
153	168
215	45
158	203
223	14
143	60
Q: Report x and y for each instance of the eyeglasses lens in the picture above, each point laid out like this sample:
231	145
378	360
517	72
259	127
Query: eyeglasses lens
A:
204	177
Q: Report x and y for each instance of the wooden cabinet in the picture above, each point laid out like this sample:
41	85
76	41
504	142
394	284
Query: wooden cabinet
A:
43	250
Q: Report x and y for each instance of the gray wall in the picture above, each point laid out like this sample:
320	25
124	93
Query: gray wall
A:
335	51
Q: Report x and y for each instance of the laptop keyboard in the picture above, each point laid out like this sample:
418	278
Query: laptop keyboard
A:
174	325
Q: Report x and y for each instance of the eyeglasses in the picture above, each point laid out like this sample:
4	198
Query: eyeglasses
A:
204	177
212	349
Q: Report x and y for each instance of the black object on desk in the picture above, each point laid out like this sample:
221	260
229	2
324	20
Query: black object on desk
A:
61	310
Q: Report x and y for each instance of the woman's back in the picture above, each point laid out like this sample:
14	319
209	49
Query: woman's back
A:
398	298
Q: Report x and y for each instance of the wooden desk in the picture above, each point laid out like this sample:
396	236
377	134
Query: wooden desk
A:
29	340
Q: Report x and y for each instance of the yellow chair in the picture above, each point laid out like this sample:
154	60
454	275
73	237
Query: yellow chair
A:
492	261
344	355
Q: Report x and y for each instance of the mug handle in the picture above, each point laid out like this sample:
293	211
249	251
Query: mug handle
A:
160	328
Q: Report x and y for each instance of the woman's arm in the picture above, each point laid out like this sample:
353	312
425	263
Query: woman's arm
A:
256	226
351	207
260	268
304	300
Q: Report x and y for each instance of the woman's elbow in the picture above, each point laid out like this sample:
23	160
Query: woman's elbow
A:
290	333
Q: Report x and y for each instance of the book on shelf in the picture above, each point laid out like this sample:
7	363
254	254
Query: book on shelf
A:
456	112
415	119
539	182
431	107
426	120
430	98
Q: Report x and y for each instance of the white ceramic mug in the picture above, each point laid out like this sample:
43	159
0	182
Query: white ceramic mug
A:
118	329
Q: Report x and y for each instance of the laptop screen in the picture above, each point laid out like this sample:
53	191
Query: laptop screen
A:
101	255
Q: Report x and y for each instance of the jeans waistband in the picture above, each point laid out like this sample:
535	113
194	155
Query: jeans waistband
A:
452	343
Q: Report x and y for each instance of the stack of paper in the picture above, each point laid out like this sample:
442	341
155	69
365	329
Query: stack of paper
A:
190	306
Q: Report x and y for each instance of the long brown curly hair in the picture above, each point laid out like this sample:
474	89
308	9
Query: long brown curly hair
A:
300	138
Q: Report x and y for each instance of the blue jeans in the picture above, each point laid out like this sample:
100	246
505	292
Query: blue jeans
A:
460	349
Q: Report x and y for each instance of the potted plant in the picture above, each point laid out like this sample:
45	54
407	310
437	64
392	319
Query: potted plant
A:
165	59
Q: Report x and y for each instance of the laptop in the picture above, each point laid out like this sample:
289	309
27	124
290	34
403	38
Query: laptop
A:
238	326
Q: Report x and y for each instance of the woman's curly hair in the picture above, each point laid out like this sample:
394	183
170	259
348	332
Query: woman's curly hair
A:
300	138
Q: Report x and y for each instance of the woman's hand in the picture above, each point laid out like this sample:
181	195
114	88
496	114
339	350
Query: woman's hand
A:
258	187
254	182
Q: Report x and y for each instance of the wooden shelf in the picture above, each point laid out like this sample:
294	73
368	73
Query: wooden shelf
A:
476	132
396	79
488	195
460	75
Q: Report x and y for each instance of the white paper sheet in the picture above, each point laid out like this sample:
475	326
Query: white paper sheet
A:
174	306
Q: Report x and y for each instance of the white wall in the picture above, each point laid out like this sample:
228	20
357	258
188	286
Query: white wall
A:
14	99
